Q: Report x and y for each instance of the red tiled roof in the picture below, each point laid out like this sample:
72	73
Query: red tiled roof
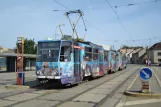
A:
156	46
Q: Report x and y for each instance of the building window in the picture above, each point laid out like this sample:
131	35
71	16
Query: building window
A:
159	53
159	60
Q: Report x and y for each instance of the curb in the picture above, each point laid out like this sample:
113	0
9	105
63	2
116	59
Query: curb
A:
14	86
134	94
10	86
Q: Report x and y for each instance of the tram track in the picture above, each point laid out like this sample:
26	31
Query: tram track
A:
71	98
104	99
114	91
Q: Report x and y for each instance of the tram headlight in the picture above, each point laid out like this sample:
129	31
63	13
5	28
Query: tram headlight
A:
37	72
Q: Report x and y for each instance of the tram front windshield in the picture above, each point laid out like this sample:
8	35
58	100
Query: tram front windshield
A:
48	51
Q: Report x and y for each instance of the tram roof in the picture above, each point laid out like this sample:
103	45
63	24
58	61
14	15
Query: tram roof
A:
92	44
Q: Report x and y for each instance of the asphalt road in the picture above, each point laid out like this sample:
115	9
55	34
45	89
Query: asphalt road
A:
109	88
10	77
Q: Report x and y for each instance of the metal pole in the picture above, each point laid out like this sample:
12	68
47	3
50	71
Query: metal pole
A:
149	47
59	28
29	64
15	64
55	31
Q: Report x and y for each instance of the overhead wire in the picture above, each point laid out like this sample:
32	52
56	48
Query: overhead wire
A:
94	26
119	18
131	4
61	5
94	8
116	15
82	18
118	6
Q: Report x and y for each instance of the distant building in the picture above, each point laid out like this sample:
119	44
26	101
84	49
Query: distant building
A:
7	50
155	53
1	49
135	55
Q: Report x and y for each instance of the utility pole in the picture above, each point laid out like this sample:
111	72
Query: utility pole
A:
149	48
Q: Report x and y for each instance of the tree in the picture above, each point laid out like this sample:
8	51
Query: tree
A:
29	46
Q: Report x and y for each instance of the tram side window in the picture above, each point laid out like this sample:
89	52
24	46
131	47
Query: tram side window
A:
95	54
117	57
65	52
100	57
106	56
113	56
88	53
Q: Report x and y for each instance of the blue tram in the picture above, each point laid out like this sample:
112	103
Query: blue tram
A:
69	62
119	62
124	60
112	61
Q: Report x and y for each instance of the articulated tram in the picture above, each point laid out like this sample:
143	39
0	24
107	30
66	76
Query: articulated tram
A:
70	62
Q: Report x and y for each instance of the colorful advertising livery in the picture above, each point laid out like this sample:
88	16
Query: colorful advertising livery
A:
70	62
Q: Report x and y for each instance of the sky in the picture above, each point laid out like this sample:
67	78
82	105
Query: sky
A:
137	25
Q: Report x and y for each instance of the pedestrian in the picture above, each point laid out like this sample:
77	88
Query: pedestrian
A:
149	63
146	62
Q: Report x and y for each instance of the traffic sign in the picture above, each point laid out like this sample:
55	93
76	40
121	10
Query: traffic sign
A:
145	74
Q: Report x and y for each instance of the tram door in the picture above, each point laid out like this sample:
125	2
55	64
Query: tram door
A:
77	63
100	64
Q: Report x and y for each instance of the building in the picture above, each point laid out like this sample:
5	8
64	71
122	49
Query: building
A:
8	62
135	56
155	53
129	56
7	50
1	49
126	50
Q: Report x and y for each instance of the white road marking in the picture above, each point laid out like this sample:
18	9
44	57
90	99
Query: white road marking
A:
146	75
157	78
129	87
138	102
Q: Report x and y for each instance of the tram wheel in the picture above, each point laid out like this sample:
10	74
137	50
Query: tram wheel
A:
109	72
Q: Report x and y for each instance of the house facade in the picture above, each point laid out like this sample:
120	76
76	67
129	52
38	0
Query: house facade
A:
155	53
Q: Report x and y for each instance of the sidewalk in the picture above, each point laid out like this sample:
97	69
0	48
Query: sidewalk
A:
8	82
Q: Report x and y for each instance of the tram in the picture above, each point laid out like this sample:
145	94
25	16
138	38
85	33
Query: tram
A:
69	62
112	61
124	60
119	62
